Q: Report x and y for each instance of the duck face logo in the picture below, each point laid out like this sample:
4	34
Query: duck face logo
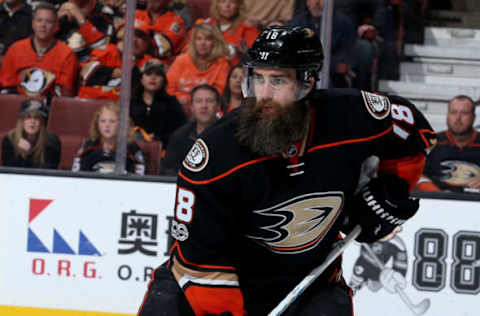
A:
299	224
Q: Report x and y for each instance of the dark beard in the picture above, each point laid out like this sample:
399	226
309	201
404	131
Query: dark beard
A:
268	136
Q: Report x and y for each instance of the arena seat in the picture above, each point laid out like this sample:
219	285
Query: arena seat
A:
70	147
71	116
9	108
152	151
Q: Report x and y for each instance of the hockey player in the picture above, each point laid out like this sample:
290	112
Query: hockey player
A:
263	194
370	268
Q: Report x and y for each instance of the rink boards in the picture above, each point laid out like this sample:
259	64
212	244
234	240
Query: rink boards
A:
79	246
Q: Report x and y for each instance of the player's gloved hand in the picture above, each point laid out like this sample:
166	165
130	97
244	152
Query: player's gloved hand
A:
392	280
380	206
221	314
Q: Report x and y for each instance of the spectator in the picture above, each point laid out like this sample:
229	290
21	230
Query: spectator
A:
85	24
15	23
343	39
205	104
100	70
100	74
40	65
237	31
365	61
454	164
30	144
154	113
98	152
389	22
142	42
183	9
169	28
205	61
232	96
267	10
119	8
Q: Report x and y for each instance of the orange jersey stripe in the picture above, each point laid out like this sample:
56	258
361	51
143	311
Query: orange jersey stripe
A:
223	175
350	141
251	162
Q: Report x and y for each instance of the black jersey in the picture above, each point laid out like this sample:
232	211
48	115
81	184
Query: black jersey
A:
248	228
93	157
451	167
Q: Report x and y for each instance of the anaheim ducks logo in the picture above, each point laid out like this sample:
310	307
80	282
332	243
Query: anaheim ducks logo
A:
36	81
197	158
459	173
299	224
377	105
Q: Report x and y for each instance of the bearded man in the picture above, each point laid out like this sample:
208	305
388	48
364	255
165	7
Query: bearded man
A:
263	194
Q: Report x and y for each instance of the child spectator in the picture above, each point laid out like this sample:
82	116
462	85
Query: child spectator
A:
155	114
29	144
205	61
98	152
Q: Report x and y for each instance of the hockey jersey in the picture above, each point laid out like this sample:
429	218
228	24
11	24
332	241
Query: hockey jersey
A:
451	167
248	228
93	157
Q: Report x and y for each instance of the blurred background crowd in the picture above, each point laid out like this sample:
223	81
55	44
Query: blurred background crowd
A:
61	71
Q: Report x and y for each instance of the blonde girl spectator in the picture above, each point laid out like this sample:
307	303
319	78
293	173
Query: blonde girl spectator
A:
232	95
204	62
237	31
98	152
29	144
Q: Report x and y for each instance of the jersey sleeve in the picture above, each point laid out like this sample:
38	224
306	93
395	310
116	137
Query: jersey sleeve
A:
411	139
8	74
203	229
69	72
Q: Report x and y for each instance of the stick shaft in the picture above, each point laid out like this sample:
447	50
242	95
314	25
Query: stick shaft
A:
315	273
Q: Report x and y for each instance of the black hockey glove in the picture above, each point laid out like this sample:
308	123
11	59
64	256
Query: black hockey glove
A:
380	206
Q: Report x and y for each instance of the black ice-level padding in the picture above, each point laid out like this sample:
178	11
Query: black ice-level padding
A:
380	206
287	47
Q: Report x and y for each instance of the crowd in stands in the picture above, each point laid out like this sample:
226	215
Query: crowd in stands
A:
186	70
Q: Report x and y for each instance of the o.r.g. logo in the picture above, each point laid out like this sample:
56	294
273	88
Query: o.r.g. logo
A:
59	244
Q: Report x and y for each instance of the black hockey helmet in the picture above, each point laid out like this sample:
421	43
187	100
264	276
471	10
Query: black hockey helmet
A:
285	47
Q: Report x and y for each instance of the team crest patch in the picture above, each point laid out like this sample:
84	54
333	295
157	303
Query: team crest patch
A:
378	105
197	157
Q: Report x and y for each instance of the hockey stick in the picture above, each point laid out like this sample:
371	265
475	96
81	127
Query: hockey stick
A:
417	309
315	273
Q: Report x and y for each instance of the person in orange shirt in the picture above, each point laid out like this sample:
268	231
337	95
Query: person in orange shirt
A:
41	64
238	31
101	72
205	61
168	27
85	25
